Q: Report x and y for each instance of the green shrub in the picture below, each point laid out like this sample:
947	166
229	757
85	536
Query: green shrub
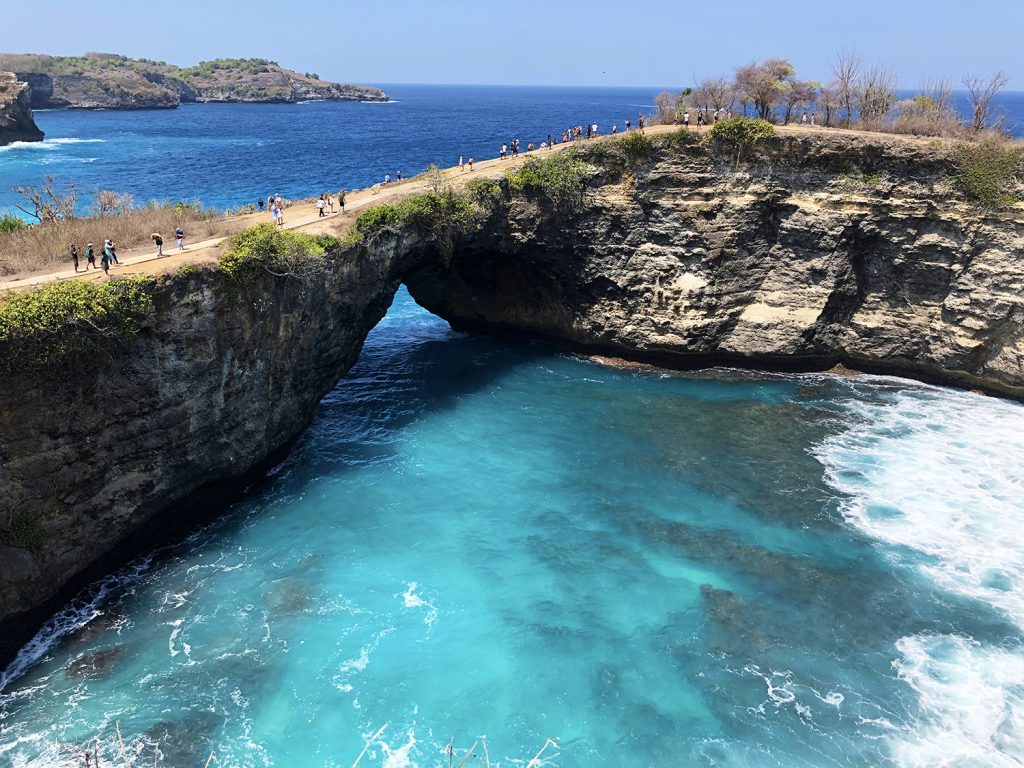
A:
636	148
484	192
562	177
69	320
281	253
986	171
683	138
740	135
441	215
9	223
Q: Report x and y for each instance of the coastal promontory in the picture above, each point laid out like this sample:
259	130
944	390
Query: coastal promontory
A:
16	123
111	81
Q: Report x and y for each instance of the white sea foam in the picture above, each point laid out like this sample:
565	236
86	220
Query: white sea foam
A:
47	144
972	699
412	600
399	757
80	611
936	476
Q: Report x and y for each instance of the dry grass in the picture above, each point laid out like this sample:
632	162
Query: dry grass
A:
47	246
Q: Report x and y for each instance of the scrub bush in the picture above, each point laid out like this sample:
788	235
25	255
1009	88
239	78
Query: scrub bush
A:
68	321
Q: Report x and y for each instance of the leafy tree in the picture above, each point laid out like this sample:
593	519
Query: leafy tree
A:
763	84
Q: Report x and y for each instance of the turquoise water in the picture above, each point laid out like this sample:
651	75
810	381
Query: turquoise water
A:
485	538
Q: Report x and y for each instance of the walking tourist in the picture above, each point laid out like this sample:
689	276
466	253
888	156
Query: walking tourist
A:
471	164
105	259
330	202
640	123
321	205
341	200
74	256
90	257
260	204
504	151
159	242
179	233
462	165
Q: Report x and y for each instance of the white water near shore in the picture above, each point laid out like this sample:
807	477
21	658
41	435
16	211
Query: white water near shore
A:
937	478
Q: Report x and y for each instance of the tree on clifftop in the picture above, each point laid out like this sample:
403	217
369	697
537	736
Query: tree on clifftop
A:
763	84
982	92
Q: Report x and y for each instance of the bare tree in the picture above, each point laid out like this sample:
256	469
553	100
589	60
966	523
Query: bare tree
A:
830	99
47	204
796	94
982	92
107	203
715	93
846	70
875	94
668	106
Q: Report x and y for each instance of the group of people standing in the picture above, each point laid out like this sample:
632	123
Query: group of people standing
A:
326	201
575	133
108	256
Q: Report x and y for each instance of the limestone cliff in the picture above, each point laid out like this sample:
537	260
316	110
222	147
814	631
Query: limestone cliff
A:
220	377
825	249
16	123
821	249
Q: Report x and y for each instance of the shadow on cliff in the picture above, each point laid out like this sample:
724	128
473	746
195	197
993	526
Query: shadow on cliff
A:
411	366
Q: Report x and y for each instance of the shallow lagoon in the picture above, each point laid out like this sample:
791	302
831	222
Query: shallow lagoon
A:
481	537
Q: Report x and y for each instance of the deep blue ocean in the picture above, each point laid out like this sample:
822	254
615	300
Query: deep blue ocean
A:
229	155
491	542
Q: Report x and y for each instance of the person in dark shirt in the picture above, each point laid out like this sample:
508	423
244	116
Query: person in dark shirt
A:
74	256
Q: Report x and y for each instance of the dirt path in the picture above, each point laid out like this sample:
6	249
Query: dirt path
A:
304	217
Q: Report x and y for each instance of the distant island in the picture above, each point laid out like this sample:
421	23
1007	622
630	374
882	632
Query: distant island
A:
111	81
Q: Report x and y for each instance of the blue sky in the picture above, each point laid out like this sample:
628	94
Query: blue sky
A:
579	42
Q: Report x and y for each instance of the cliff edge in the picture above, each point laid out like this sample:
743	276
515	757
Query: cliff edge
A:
16	122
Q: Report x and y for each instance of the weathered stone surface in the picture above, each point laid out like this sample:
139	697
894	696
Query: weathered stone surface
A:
16	122
797	260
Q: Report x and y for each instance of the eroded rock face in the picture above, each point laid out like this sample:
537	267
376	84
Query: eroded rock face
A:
221	376
831	249
16	122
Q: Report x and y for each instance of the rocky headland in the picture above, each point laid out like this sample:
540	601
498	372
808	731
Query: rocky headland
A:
812	250
110	81
16	122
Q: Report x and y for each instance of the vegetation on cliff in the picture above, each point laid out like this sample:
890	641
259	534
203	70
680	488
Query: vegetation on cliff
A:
66	322
859	95
740	135
987	171
561	177
440	214
266	249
